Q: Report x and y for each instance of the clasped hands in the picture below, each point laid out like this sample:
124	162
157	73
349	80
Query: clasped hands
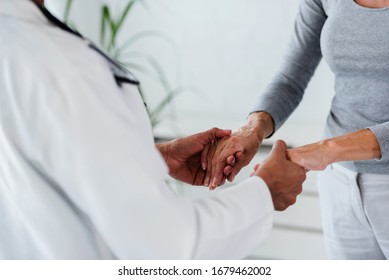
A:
214	156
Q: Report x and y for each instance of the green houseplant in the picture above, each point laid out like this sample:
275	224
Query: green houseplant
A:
136	61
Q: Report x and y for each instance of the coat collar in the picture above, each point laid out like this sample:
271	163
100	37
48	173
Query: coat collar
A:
22	10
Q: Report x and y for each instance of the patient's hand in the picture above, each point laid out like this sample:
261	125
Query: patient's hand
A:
311	157
358	145
183	155
236	151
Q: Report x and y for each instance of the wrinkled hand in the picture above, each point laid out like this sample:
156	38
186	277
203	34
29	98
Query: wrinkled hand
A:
283	177
233	153
311	157
236	150
183	155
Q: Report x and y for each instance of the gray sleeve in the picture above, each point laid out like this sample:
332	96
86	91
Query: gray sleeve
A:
381	131
286	90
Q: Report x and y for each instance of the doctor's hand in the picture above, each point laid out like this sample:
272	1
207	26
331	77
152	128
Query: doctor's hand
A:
183	155
283	177
236	150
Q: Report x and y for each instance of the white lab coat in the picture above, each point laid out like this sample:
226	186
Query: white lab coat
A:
80	177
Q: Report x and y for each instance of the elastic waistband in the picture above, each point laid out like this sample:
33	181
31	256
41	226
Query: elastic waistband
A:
340	168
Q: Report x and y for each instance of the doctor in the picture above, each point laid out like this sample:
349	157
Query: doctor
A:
80	176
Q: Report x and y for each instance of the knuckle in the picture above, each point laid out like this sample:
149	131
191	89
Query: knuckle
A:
281	207
292	200
279	204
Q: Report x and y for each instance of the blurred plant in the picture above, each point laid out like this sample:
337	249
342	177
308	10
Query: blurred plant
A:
68	6
110	27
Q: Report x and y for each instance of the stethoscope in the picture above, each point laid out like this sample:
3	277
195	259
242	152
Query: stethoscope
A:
120	73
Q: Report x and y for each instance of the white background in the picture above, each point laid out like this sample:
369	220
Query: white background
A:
227	49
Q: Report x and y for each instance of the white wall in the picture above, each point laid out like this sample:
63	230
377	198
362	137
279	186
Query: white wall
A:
228	49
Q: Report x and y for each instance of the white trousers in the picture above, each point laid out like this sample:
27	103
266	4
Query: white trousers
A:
355	212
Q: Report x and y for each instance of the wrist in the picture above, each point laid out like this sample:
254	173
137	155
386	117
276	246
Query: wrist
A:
266	177
359	145
260	123
327	152
331	150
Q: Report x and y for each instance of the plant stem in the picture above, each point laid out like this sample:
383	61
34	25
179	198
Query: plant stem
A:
68	7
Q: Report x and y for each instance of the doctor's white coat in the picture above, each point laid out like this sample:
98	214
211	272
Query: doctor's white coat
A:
80	177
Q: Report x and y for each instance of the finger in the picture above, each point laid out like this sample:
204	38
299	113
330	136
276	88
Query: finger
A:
231	160
199	178
238	156
229	147
220	133
235	172
280	145
279	205
218	165
288	155
213	134
210	156
256	167
227	170
223	181
279	150
204	155
290	200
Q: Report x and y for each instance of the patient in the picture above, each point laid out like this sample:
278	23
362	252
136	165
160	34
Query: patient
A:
353	38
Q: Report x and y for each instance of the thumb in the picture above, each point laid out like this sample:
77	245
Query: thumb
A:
220	133
279	149
213	134
256	167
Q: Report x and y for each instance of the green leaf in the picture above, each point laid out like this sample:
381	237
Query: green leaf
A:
149	34
68	7
156	66
136	67
105	19
116	25
124	15
110	27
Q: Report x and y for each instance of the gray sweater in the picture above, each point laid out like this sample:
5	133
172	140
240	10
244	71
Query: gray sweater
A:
354	41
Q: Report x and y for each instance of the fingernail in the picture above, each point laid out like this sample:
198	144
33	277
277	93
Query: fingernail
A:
214	182
206	182
203	166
